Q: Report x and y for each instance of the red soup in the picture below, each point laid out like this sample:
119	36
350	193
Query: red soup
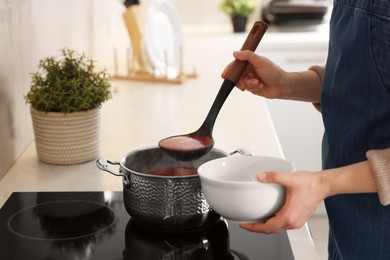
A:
186	143
174	171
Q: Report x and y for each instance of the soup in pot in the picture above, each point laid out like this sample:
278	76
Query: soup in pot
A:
173	171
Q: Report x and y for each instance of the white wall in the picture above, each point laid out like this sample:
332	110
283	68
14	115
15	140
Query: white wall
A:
29	31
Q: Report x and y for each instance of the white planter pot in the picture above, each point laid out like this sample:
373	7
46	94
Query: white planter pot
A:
66	139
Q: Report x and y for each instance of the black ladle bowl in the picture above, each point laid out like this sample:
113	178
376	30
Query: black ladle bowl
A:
192	146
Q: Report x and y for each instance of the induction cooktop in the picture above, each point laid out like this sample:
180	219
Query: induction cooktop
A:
95	225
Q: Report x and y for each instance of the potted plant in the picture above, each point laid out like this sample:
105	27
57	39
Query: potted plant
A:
65	98
238	10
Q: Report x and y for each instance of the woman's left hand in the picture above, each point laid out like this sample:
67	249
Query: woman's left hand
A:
303	194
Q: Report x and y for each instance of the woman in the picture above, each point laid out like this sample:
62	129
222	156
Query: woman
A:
353	94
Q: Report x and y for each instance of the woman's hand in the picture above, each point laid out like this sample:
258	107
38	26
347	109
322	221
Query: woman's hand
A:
303	194
261	76
264	78
305	190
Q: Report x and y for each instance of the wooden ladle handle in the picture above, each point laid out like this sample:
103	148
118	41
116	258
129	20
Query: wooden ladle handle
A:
251	43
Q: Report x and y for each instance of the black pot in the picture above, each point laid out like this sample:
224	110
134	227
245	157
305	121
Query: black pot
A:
163	202
206	243
239	23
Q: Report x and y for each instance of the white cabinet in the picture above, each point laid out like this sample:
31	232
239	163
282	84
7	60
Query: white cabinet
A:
298	124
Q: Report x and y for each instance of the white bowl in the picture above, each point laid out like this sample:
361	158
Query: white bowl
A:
232	190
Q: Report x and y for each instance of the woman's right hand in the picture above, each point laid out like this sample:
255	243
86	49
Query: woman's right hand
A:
261	77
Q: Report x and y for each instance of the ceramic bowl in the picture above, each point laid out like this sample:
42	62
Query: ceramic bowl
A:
232	190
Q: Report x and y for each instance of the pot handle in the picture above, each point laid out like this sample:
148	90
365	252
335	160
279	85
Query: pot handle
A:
242	151
102	164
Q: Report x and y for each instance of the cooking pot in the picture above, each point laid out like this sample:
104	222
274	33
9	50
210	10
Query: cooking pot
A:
163	202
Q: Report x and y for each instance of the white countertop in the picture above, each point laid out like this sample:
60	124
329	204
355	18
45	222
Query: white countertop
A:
142	113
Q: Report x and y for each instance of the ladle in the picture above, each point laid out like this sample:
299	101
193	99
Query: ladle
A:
192	146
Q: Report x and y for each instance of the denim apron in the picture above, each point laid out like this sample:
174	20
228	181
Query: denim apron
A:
356	112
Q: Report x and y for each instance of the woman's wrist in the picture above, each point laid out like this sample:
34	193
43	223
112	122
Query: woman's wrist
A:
354	178
302	86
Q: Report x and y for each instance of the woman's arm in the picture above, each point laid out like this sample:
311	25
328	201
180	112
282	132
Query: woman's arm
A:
379	161
354	178
264	78
305	190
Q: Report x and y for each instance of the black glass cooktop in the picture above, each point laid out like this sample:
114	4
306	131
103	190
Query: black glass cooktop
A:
95	225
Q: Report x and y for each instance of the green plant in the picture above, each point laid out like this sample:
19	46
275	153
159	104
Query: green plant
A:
238	8
68	84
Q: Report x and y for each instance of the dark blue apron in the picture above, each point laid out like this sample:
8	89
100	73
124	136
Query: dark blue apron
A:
356	113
